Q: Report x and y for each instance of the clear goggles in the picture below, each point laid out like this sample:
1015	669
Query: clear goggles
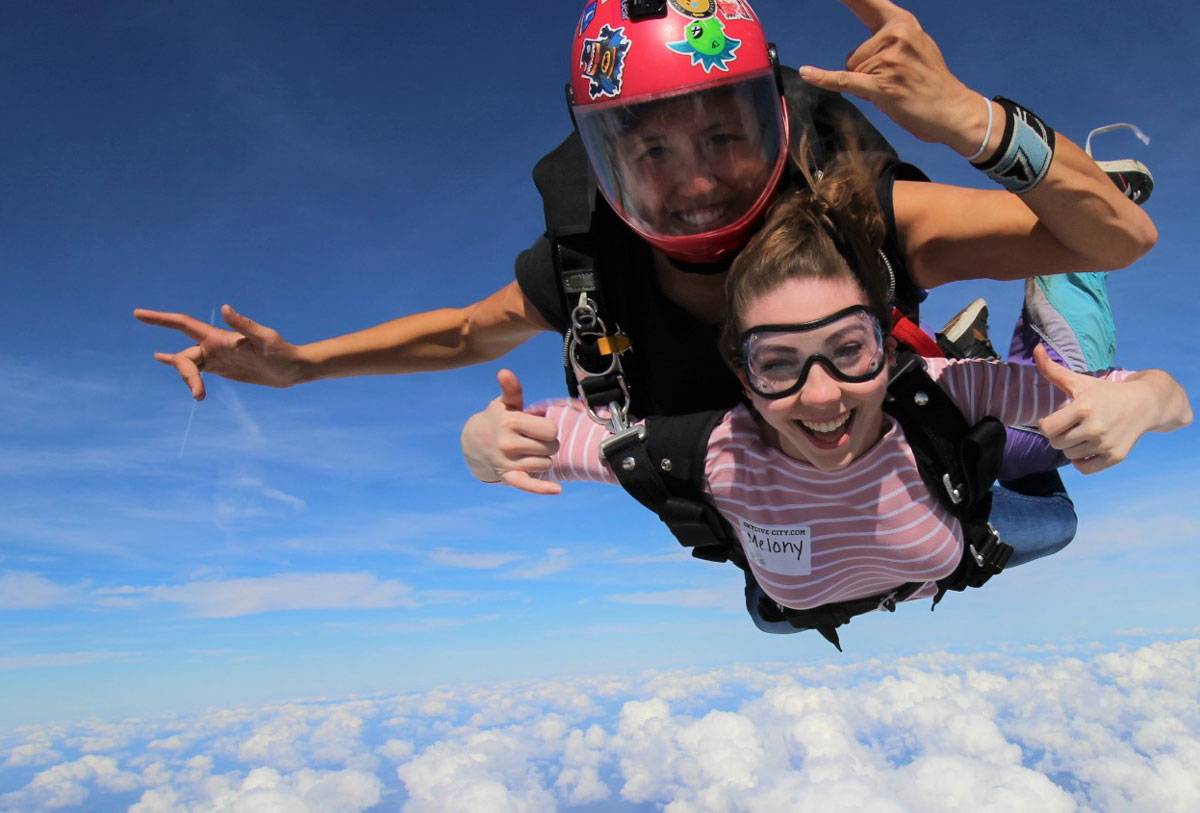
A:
849	344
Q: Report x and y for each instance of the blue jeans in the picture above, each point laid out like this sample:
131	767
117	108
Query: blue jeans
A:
1033	514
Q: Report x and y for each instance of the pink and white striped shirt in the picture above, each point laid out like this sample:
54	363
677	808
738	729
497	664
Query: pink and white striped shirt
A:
812	537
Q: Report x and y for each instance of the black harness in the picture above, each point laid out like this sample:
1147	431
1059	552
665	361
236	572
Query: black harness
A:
661	462
662	465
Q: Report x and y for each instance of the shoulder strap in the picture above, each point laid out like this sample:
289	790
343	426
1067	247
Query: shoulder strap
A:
957	461
565	183
578	225
661	464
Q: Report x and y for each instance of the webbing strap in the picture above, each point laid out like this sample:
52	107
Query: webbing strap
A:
590	370
958	463
909	333
661	464
828	617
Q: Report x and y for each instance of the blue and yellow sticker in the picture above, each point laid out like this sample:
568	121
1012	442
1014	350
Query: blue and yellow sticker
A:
696	9
706	43
602	61
589	14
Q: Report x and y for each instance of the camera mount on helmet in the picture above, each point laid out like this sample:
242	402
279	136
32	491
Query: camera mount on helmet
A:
644	9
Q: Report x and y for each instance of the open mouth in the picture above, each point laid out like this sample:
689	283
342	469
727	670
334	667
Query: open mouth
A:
828	434
702	219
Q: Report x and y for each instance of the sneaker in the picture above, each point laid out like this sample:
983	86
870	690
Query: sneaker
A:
1130	176
965	336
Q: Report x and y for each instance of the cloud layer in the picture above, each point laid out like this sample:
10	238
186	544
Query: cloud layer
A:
1117	730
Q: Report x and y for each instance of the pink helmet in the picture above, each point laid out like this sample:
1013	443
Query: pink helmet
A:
679	106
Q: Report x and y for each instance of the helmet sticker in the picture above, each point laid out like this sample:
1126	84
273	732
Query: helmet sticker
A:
589	14
602	61
734	10
698	9
705	42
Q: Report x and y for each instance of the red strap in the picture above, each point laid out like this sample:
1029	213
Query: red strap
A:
908	333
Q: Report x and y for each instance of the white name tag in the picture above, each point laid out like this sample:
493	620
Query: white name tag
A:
784	549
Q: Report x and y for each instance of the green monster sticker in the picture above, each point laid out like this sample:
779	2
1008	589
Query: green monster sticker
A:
708	46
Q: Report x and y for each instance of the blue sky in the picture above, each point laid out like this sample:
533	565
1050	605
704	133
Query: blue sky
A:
323	167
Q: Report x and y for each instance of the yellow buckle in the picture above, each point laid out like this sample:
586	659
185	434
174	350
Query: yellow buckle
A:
614	344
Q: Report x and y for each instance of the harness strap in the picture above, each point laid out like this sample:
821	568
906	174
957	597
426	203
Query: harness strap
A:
958	463
828	617
661	464
909	333
589	369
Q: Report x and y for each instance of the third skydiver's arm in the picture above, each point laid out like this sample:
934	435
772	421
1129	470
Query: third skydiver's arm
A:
434	340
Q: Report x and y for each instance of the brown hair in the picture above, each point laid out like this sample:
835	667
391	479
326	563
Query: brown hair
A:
831	230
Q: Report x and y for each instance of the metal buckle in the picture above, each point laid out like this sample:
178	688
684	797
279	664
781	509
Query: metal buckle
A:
888	602
989	546
618	414
586	324
954	491
622	438
583	315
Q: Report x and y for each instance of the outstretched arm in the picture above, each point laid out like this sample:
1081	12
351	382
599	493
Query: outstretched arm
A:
1074	220
433	340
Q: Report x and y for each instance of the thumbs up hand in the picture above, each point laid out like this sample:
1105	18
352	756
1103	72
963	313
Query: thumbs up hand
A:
1103	420
503	443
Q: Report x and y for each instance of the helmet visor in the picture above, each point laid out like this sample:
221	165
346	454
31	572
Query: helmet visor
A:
849	344
689	163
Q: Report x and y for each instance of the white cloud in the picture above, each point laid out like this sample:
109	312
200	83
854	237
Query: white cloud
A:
305	791
583	757
50	659
172	743
673	558
693	598
556	560
29	591
447	557
396	750
65	785
1104	730
287	591
251	434
37	751
256	485
493	770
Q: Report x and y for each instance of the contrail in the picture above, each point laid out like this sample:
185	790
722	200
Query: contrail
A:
188	429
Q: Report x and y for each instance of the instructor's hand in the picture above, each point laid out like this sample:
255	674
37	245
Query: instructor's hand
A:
506	444
250	352
900	70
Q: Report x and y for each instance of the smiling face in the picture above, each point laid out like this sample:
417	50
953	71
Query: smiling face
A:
827	423
691	165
